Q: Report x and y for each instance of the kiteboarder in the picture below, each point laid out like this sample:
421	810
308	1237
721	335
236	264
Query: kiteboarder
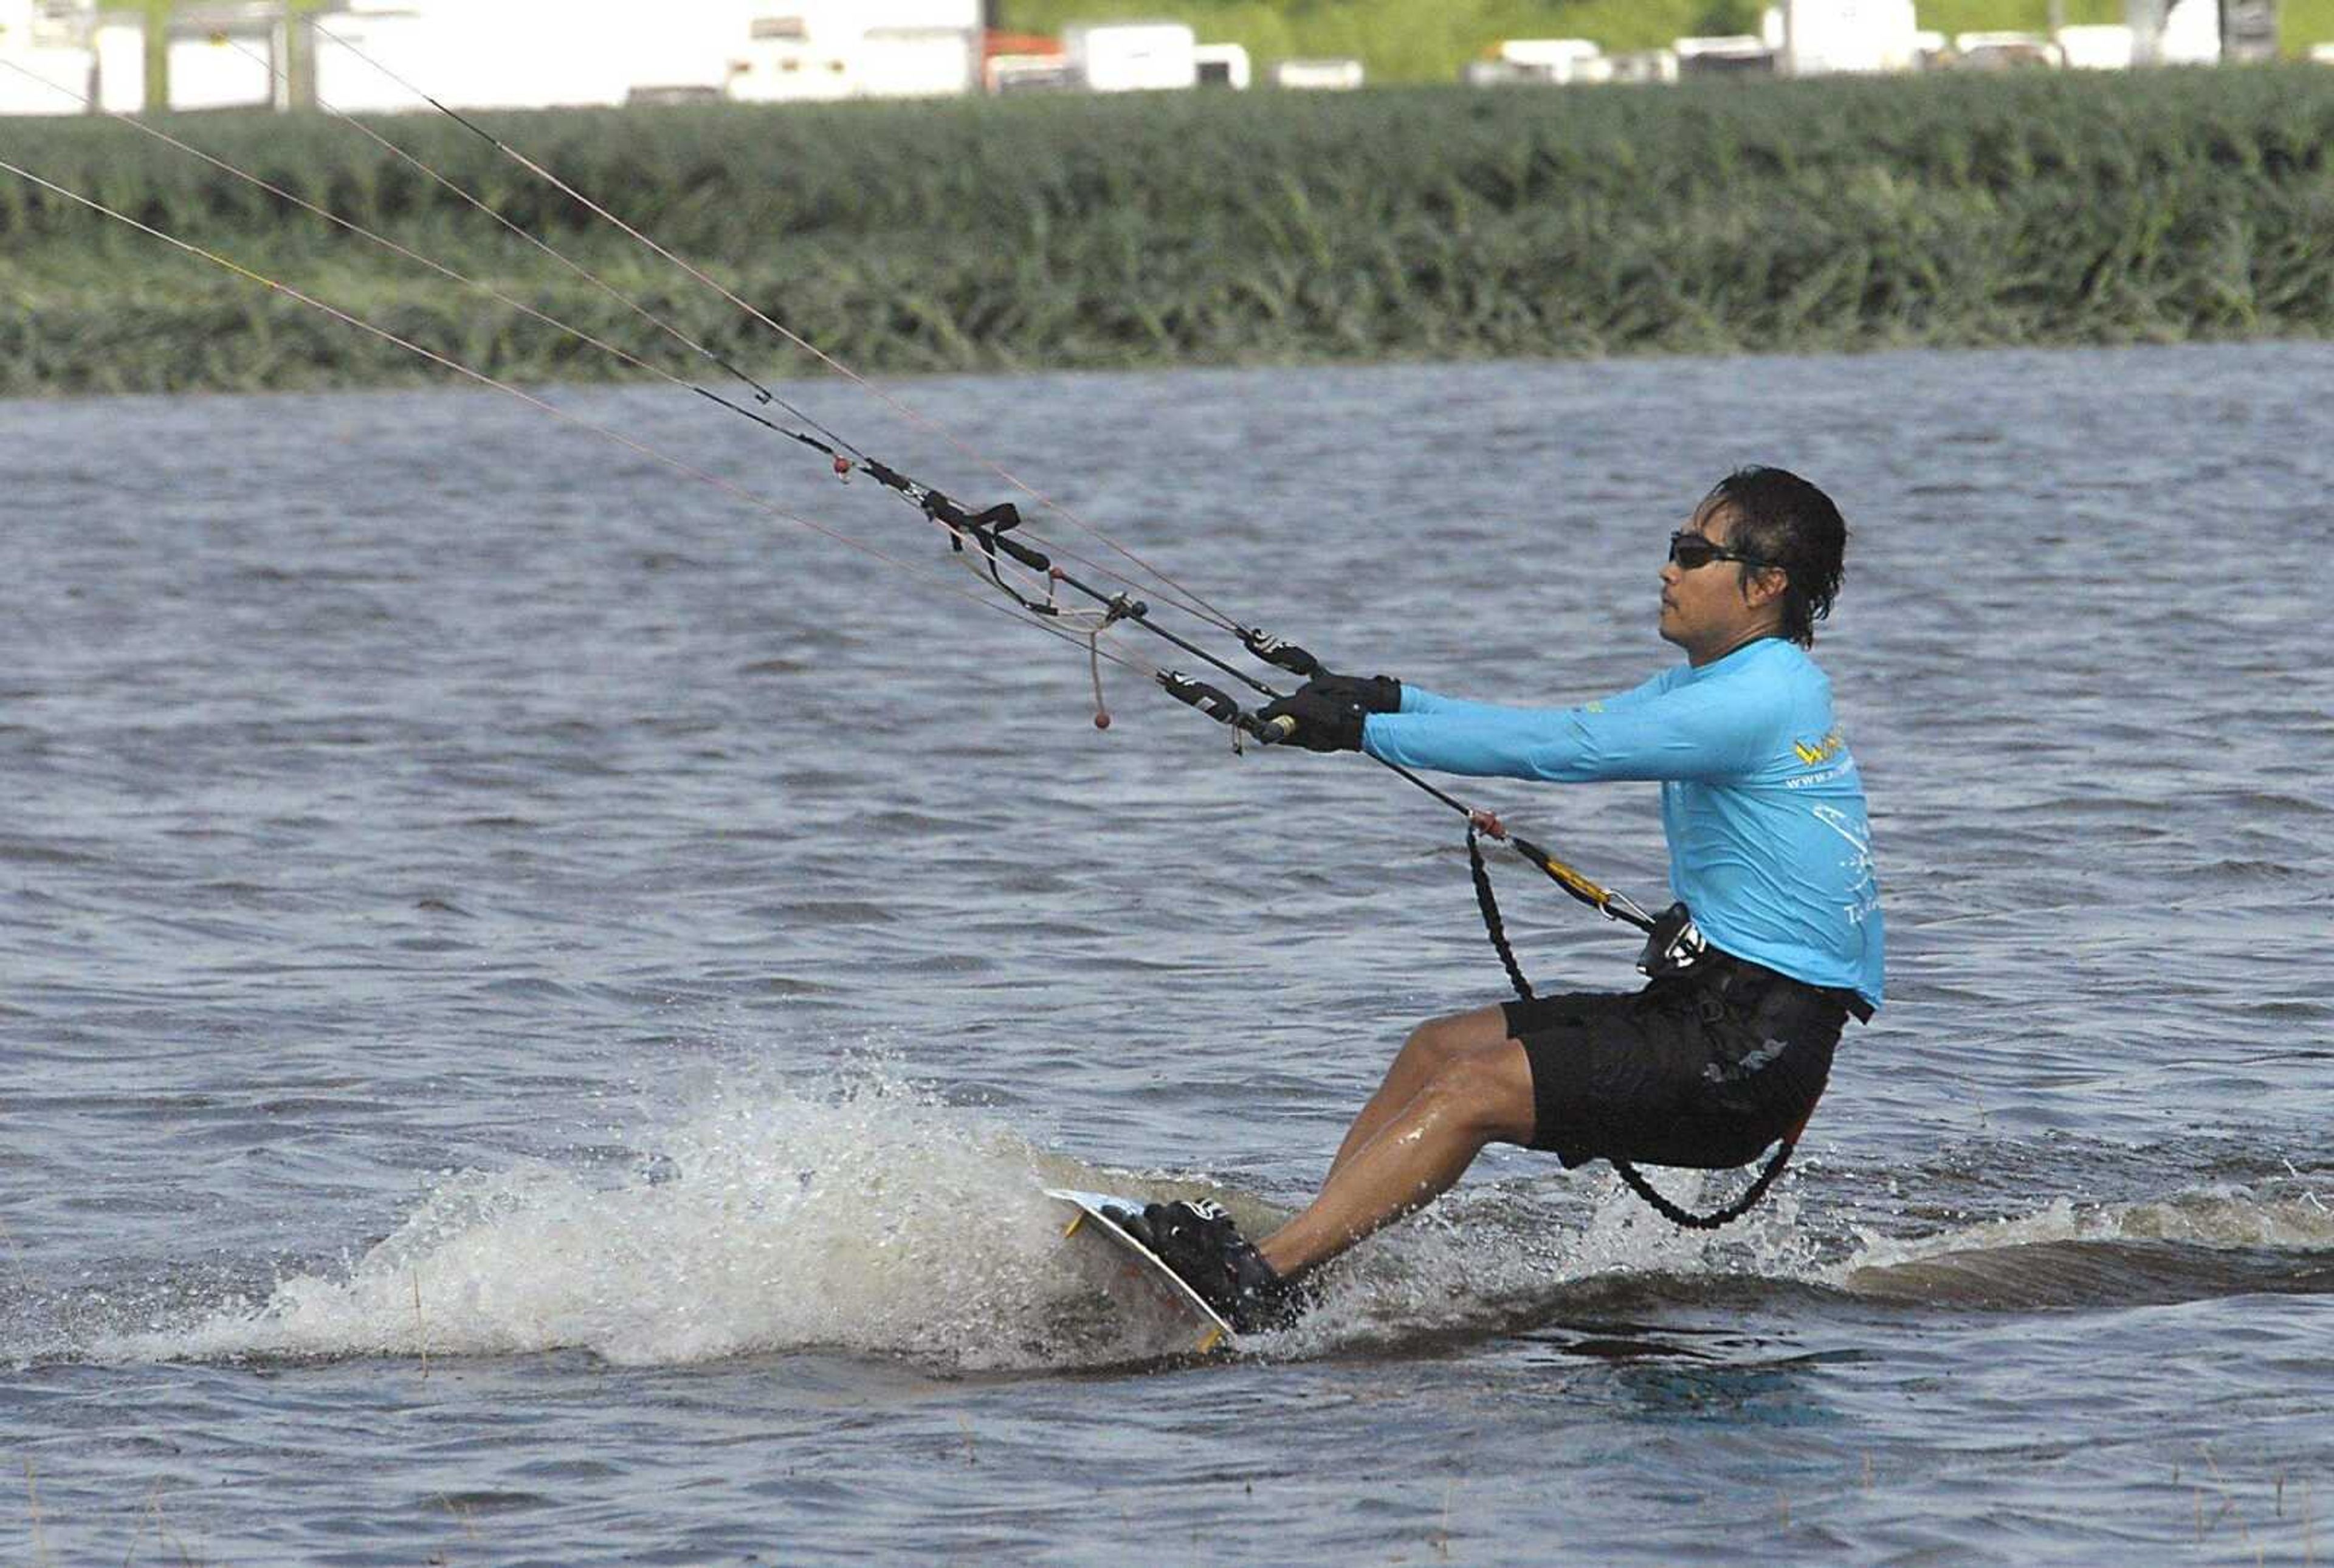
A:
1775	940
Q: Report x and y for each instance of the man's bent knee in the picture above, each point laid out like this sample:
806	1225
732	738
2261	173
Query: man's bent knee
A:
1491	1087
1440	1041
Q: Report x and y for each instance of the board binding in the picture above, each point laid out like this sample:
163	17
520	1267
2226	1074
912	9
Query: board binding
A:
1215	1331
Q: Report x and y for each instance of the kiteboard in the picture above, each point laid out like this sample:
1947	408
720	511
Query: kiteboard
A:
1141	1270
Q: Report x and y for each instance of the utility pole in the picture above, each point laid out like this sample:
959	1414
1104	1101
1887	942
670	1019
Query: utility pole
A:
158	56
300	53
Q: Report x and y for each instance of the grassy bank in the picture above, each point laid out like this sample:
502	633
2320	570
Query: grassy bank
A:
1431	222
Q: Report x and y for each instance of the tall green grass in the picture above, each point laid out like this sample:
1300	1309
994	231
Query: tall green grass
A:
1080	231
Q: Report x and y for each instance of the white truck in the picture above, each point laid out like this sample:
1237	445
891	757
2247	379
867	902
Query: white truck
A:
1133	57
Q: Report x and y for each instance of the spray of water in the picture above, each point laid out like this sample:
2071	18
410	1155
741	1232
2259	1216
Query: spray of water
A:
862	1217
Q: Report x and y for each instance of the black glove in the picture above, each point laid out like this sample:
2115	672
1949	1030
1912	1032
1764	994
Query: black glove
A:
1371	693
1320	721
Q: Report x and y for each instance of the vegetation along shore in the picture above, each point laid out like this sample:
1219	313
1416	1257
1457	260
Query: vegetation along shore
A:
1210	228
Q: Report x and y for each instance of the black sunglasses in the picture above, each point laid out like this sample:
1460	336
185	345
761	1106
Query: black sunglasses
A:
1692	552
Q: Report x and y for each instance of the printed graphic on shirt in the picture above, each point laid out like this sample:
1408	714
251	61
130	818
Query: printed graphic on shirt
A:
1862	888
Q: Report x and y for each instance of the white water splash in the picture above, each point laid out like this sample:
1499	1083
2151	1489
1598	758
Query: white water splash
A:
869	1217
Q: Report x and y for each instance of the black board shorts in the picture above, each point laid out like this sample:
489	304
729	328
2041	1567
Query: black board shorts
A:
1702	1070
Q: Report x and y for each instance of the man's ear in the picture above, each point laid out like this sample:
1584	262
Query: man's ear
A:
1764	586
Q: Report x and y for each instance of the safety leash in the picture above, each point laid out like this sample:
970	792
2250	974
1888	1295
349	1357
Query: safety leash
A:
1496	927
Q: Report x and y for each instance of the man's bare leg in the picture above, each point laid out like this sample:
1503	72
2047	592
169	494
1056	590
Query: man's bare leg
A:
1431	1047
1479	1097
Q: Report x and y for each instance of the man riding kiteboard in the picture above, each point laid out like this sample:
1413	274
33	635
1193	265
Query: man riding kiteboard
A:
1774	943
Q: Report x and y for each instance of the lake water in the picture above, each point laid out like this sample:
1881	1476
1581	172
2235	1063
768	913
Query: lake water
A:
537	996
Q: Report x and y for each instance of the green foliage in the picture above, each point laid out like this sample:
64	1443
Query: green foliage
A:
1717	18
1209	227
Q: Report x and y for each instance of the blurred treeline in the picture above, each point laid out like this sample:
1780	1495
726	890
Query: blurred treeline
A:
1210	227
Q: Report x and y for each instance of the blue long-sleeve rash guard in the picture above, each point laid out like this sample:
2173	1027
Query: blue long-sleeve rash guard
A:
1769	845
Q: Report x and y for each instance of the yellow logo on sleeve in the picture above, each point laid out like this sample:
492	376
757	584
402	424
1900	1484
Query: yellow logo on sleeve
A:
1824	750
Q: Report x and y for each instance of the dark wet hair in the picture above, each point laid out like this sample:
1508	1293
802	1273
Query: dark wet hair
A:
1787	523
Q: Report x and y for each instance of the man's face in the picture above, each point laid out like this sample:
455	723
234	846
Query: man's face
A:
1705	611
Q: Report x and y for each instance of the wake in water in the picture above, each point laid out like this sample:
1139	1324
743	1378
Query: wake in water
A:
874	1218
2197	1247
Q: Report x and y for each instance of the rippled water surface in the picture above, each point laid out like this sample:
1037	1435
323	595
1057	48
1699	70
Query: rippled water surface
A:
536	995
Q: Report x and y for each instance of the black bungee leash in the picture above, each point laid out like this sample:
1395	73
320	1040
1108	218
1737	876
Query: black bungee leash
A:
1495	928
